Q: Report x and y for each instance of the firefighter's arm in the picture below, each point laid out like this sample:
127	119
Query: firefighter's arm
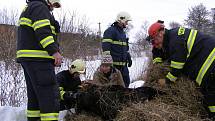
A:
178	60
157	55
43	29
107	41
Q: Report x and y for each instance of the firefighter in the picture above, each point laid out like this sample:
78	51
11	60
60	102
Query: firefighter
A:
115	43
189	52
106	74
69	82
38	53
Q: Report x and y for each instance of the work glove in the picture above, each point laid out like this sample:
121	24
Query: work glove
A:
71	96
129	59
164	82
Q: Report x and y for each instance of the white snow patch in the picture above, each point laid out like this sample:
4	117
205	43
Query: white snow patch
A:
136	84
8	113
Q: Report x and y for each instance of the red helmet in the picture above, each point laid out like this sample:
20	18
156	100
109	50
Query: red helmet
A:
154	28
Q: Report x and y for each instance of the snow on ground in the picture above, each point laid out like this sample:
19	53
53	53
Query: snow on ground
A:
8	113
136	84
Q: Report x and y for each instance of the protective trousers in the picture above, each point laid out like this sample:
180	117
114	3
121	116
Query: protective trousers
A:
208	90
125	74
42	91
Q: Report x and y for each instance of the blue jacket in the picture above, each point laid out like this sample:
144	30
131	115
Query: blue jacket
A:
115	43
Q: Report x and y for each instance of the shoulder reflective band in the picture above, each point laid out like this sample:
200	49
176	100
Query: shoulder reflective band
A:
53	30
157	60
107	40
47	41
171	77
212	109
115	42
49	116
191	40
25	21
33	113
33	53
177	65
205	67
181	30
40	24
119	63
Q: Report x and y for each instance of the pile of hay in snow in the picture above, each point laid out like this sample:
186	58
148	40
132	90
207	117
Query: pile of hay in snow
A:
182	101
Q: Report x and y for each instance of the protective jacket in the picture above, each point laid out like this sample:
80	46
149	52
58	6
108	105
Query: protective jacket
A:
115	43
37	33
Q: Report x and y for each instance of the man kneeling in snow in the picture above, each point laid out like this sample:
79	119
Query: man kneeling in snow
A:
106	74
69	82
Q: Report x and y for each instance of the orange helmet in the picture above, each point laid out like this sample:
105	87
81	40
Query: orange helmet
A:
155	28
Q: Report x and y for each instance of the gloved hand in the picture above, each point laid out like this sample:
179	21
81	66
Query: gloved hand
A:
162	82
129	59
71	96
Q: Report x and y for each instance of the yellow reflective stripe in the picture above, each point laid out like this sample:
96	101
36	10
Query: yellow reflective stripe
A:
119	63
49	116
177	65
33	113
61	93
181	30
33	53
25	21
106	53
115	42
157	60
47	41
171	77
107	40
119	43
205	67
212	109
191	40
53	30
61	88
40	24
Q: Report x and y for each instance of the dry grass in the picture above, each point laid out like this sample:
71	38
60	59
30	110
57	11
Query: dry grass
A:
182	102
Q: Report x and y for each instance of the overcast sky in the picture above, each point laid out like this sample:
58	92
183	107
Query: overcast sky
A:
105	11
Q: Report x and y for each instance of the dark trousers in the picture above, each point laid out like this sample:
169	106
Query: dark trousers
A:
42	89
208	90
125	74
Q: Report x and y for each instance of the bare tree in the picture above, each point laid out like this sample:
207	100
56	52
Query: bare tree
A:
174	24
198	18
141	44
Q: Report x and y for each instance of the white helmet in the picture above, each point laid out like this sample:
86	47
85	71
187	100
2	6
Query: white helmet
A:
77	66
123	17
56	3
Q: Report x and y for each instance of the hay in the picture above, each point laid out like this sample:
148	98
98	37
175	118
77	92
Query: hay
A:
182	102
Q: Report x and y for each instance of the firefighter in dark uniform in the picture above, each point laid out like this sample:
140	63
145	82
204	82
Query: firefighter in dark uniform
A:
115	43
189	52
38	53
69	82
